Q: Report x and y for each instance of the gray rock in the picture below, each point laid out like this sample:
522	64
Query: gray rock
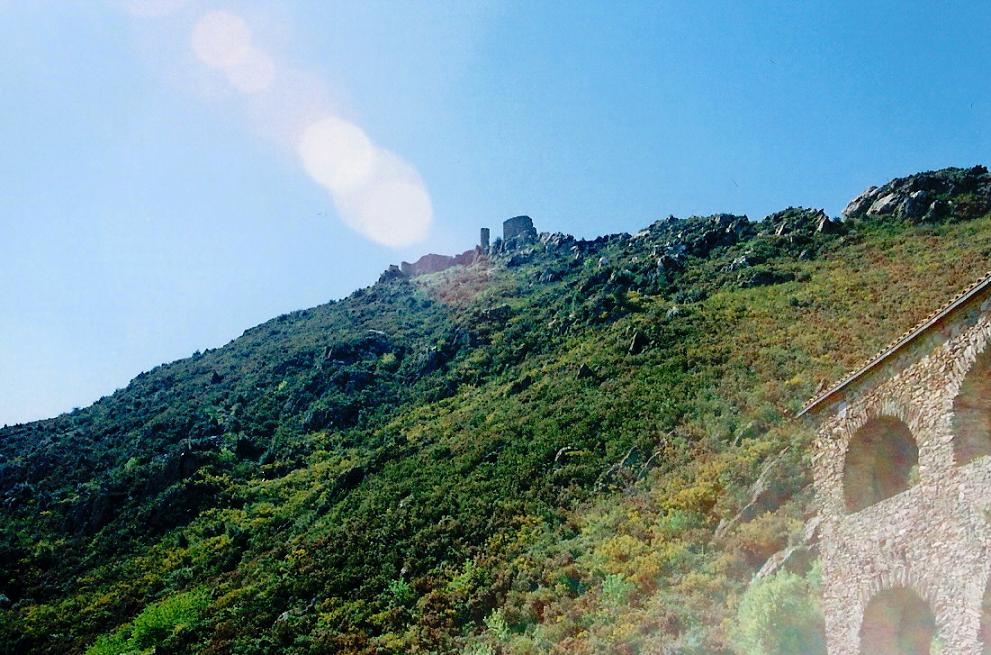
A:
765	496
861	203
796	558
827	226
638	343
885	205
916	205
585	372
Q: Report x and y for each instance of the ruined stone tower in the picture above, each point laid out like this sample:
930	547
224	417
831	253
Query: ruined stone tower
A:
902	478
519	228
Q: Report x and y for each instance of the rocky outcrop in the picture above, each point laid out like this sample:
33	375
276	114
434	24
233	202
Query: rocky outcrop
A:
797	557
799	221
929	196
766	494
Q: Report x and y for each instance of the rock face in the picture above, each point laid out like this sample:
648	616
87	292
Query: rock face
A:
798	557
964	192
801	221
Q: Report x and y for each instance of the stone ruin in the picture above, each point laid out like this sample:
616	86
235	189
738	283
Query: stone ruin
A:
902	478
516	231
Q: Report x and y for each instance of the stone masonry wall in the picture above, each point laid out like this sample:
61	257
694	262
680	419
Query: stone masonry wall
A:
934	537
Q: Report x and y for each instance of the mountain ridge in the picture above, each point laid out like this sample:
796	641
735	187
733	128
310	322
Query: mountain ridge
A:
365	475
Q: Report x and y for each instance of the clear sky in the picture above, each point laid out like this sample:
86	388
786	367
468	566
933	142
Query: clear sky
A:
173	172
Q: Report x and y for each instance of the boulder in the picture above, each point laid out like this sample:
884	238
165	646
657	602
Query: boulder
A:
886	204
796	558
585	372
861	203
766	494
638	343
916	205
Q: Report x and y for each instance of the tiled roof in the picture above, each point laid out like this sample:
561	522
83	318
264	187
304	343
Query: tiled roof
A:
900	342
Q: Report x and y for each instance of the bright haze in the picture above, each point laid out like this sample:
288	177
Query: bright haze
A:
173	172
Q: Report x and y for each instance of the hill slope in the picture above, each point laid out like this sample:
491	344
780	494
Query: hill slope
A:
529	454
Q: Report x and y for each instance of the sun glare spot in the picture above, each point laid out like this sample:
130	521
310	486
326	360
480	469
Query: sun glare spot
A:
221	40
377	193
253	74
337	154
393	208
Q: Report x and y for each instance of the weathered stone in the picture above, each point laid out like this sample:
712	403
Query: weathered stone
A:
796	558
916	205
966	190
585	372
433	263
911	522
765	495
518	229
638	343
884	205
391	273
861	203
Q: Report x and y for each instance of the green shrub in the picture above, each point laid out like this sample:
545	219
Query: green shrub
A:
401	592
155	624
616	589
781	615
479	649
496	623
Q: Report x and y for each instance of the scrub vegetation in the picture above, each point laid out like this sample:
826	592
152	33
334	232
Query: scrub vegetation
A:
546	451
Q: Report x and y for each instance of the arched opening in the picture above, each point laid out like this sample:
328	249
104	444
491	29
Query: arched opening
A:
881	461
897	622
972	413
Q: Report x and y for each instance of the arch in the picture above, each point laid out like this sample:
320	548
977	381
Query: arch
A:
972	413
881	460
897	622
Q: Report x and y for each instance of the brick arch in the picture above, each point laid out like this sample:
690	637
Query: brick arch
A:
881	461
972	409
897	621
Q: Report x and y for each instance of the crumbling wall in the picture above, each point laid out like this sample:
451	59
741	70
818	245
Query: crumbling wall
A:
518	228
433	263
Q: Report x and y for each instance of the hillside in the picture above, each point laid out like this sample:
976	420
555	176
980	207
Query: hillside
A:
547	450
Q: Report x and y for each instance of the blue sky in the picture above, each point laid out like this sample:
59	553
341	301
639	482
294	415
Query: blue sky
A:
172	173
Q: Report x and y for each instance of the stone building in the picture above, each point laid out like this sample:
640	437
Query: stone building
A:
519	228
903	488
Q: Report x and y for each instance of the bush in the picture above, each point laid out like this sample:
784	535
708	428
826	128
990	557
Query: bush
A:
496	623
616	590
781	615
154	625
